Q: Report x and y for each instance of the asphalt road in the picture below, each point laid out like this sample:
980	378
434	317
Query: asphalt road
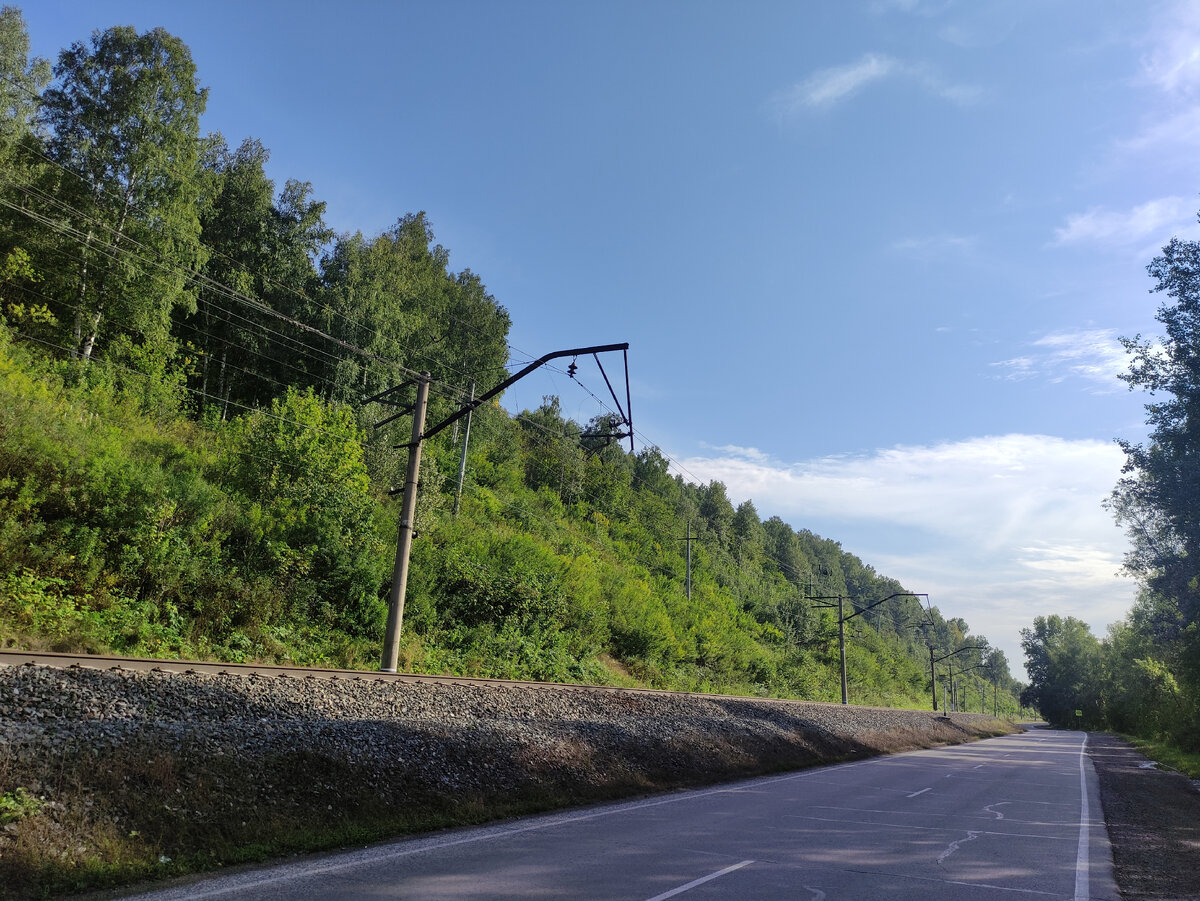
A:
1017	816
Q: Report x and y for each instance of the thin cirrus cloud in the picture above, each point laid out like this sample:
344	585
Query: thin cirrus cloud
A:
1154	219
829	87
1004	528
1172	62
1094	355
1170	67
934	247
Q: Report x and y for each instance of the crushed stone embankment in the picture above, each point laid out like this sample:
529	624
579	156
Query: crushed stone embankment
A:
154	773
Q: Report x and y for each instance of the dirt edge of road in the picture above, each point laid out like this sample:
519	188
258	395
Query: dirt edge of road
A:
1153	819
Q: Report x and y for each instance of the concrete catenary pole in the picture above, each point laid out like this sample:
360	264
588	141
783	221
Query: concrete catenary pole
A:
462	460
689	560
408	513
932	679
842	649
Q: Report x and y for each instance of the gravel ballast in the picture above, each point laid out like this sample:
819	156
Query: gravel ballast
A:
133	774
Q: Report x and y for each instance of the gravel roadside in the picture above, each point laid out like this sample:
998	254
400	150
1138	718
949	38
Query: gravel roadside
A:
121	775
1153	819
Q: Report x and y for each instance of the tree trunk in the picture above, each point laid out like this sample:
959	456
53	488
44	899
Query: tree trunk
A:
80	296
90	342
222	388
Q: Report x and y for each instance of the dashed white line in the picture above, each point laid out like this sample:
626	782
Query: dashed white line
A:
703	879
921	792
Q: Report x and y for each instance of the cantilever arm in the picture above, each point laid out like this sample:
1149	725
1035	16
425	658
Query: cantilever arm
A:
540	361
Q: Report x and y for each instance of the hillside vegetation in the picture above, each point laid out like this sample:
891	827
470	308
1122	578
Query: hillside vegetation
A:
187	467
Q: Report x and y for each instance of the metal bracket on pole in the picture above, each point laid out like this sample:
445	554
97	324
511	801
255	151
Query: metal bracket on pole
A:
536	364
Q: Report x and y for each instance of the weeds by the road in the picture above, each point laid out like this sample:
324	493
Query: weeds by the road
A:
1176	758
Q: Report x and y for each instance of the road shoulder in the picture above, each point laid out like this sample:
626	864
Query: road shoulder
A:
1153	819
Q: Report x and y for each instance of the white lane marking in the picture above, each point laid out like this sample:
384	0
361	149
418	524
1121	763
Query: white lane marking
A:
977	767
954	846
1081	857
947	816
998	814
703	879
921	792
817	894
910	826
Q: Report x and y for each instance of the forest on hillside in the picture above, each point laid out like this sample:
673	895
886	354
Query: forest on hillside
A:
187	467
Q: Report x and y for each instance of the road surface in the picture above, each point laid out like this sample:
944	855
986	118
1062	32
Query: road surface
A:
1013	817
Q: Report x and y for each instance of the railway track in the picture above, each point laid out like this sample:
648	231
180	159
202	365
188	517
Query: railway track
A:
156	665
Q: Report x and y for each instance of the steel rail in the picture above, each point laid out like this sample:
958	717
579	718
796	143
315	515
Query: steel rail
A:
10	657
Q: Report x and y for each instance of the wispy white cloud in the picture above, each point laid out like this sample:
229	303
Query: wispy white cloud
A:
934	246
1170	67
828	87
1172	62
1155	219
1006	527
735	450
1094	355
923	8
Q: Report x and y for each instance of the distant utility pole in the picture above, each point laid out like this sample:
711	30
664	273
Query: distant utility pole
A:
408	508
843	619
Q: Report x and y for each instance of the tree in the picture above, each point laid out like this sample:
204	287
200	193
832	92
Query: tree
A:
21	80
21	83
1158	500
1063	659
261	254
395	298
301	466
124	121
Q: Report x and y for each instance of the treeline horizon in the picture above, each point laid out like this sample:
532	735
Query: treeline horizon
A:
186	467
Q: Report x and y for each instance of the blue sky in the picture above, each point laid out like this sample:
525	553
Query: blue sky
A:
872	258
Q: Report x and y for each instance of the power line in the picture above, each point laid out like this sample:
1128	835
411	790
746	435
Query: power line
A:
266	279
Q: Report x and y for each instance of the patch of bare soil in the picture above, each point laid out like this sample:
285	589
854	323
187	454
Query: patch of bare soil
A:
1153	819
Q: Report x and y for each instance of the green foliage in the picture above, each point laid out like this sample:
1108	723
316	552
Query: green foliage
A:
308	509
21	81
1063	660
124	119
1144	678
17	804
186	466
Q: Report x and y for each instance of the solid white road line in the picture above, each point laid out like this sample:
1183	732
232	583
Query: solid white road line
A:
703	879
1081	858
